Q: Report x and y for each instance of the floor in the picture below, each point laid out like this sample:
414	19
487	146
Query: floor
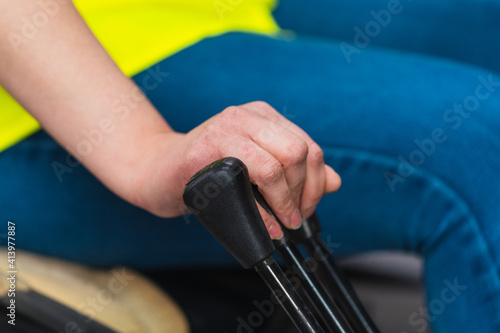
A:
389	286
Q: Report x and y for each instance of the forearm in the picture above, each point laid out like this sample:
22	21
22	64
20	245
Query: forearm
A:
68	82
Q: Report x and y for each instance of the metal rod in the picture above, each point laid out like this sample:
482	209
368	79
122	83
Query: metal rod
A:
287	296
314	290
335	283
339	287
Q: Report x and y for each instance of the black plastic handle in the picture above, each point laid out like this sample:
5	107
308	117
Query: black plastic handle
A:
220	197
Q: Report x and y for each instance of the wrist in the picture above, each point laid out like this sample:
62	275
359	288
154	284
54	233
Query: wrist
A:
158	183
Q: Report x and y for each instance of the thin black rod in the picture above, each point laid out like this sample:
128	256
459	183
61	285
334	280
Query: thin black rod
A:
331	277
339	287
287	296
314	290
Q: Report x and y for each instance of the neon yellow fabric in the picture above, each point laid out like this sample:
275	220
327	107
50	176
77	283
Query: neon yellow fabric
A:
15	123
139	33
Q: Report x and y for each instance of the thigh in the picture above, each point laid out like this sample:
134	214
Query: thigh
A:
464	30
384	122
421	114
414	138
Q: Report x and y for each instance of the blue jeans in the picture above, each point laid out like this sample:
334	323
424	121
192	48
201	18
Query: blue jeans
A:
407	113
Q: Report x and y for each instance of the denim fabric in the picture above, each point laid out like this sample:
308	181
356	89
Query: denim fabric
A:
414	136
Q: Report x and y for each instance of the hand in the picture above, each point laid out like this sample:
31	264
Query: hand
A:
141	158
283	161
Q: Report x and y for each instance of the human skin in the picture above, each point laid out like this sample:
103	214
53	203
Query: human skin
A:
68	82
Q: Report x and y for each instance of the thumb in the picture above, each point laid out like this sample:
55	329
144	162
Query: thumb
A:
332	180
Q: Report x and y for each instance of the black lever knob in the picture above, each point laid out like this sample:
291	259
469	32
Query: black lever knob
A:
221	198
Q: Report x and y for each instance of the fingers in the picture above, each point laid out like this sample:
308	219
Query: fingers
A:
319	178
314	185
289	149
333	180
268	174
286	164
272	225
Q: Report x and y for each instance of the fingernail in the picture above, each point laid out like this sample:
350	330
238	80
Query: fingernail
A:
275	233
296	220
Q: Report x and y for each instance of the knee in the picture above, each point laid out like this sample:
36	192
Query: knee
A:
460	144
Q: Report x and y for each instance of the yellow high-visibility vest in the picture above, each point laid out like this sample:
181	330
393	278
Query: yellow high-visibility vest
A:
139	33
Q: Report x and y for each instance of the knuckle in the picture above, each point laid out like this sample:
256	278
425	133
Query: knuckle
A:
270	172
211	130
192	157
266	135
262	105
297	152
264	109
247	150
201	150
232	113
316	154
